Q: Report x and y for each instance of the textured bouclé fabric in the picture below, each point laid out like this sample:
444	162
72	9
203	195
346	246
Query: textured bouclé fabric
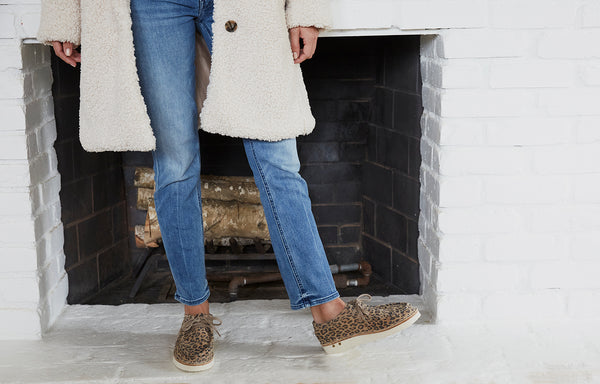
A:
254	89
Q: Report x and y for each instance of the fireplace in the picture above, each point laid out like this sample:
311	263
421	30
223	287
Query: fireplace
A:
361	164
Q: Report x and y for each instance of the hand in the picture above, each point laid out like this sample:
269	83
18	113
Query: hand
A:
309	37
66	51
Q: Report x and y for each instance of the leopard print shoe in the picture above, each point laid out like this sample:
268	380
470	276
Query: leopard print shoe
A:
194	348
359	323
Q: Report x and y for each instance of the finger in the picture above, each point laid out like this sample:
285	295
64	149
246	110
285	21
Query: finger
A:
58	49
295	41
76	56
309	38
68	48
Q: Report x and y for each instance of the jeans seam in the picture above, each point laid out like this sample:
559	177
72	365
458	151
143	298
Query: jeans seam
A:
283	238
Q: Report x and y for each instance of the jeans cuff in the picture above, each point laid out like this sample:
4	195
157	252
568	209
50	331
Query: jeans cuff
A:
312	303
192	302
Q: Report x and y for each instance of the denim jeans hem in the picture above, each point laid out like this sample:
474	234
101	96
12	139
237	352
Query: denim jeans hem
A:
192	302
312	303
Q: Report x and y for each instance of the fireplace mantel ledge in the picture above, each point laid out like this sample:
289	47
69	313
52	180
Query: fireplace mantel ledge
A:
371	17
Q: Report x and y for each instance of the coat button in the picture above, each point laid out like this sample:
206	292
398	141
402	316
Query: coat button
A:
230	25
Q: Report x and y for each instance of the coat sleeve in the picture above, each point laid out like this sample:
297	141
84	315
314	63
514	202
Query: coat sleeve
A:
307	13
61	21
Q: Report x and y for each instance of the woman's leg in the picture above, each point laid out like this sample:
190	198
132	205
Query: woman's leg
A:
164	38
298	248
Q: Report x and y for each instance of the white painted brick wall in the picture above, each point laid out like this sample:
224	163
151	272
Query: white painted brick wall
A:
510	174
33	285
515	106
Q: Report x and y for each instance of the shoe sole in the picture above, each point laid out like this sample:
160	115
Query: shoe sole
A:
193	368
345	345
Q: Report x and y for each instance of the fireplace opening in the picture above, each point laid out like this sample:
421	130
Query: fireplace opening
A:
361	164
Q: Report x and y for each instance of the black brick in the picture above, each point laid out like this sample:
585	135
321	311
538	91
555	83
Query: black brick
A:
332	173
70	246
383	107
108	188
83	281
405	273
392	149
328	234
336	214
406	195
350	234
322	152
391	227
368	217
76	200
408	109
95	233
113	263
377	183
380	257
343	254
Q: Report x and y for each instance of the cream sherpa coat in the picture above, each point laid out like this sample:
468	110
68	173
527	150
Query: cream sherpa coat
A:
254	89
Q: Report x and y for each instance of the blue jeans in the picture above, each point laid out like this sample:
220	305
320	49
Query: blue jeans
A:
164	39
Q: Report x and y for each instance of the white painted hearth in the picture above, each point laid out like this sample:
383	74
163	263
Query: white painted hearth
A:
510	177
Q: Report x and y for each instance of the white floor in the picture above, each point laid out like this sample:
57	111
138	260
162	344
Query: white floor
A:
266	342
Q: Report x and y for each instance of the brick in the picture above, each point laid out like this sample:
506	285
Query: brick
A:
380	257
587	188
463	74
14	145
587	129
563	275
584	303
569	44
585	245
529	73
14	174
337	214
538	306
19	230
529	131
444	14
11	54
480	220
523	247
533	14
477	43
391	227
526	189
590	15
20	324
15	204
460	191
548	218
589	73
461	277
460	307
461	161
464	132
18	259
377	183
23	288
13	82
570	102
488	103
405	273
13	116
7	24
585	217
565	159
460	248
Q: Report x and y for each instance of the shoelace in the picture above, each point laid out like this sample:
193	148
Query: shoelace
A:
359	303
206	320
